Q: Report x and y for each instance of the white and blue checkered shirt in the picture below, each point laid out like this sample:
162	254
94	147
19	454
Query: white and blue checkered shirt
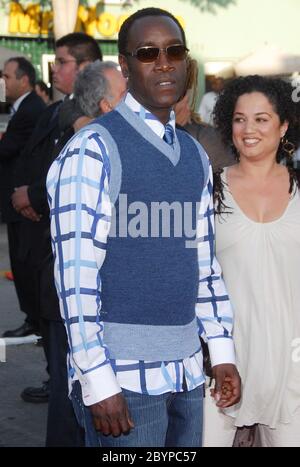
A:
79	235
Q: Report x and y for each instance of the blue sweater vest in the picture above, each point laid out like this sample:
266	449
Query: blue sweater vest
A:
149	277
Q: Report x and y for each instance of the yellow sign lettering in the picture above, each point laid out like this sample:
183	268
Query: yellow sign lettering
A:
31	20
122	18
33	11
86	20
107	24
24	21
47	22
15	11
181	21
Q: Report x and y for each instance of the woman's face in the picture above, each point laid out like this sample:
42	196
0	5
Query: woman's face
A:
256	128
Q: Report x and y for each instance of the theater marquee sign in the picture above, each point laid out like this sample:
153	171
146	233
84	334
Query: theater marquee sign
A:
100	19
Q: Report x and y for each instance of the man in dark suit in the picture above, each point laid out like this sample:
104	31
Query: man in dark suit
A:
27	106
73	52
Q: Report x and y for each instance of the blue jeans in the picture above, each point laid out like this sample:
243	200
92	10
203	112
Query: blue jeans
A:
84	417
166	420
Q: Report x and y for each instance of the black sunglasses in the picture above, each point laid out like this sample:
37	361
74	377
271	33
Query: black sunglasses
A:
149	54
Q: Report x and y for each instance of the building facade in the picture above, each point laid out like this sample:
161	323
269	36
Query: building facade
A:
219	32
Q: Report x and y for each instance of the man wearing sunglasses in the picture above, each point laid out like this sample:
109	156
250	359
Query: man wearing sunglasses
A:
133	297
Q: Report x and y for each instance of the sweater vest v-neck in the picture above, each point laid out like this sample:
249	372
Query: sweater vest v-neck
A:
150	277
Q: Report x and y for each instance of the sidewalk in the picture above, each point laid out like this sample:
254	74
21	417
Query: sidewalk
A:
21	423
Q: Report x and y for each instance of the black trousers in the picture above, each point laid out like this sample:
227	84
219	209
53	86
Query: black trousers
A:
63	430
25	275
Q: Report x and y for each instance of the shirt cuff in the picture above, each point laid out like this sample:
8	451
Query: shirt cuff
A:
99	385
221	350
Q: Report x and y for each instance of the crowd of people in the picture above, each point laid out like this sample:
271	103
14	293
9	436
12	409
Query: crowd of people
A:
137	226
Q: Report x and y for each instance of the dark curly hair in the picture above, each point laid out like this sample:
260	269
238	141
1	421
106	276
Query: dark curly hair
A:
279	93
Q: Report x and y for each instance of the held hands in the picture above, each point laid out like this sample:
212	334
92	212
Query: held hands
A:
30	214
227	390
111	416
20	199
21	203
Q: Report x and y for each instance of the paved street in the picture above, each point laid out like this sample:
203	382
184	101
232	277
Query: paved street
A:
21	423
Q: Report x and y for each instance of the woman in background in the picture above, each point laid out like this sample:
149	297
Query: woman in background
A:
220	155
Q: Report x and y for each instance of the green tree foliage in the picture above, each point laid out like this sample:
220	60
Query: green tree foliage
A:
210	5
207	5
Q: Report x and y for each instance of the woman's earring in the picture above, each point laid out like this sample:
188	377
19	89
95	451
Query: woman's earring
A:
288	147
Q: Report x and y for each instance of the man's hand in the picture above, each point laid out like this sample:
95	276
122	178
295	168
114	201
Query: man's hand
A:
31	214
111	416
19	198
21	203
227	390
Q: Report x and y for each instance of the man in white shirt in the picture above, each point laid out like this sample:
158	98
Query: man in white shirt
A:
209	99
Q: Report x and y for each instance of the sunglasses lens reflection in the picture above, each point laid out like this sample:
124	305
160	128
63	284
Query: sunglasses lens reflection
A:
150	54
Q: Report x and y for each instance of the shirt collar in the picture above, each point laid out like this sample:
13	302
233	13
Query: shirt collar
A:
150	119
18	102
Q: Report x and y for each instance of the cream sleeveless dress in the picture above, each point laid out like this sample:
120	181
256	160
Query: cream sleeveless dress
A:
261	269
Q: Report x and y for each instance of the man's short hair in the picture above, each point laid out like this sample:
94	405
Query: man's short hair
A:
91	86
81	46
25	68
126	26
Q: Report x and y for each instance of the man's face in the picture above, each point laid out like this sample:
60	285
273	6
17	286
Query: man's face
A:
117	84
160	84
217	85
64	70
14	86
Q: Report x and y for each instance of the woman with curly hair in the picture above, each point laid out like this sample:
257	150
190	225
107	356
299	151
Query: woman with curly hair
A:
258	247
